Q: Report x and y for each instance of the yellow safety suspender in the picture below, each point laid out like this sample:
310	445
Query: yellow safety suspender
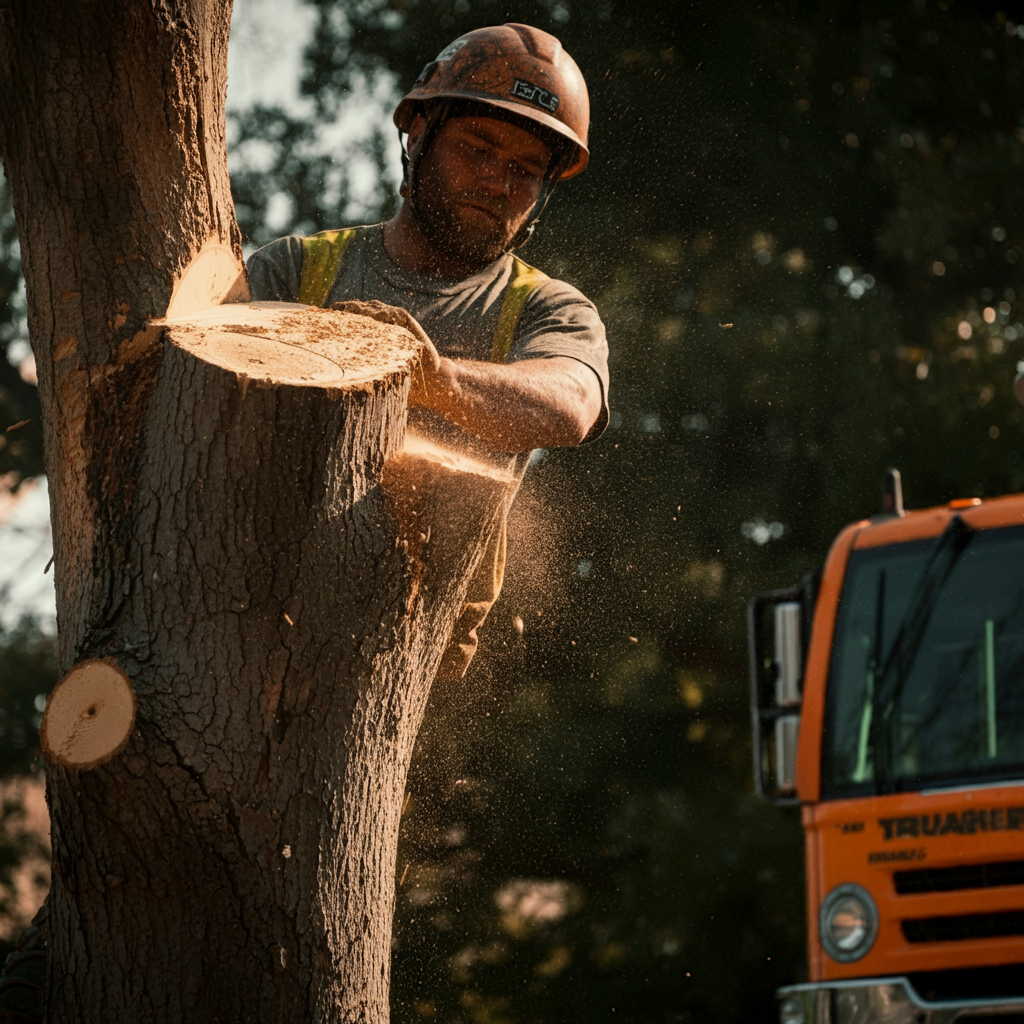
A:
524	281
322	255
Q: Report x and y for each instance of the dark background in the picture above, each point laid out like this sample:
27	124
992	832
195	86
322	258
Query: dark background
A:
802	224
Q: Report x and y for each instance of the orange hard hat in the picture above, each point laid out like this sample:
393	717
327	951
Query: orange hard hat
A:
517	69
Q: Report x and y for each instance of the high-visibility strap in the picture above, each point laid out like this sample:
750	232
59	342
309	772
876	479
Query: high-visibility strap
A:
524	282
321	256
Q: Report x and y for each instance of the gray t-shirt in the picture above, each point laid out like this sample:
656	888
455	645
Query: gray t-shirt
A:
459	316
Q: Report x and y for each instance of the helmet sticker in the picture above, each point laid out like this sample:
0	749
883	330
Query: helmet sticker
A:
450	50
535	94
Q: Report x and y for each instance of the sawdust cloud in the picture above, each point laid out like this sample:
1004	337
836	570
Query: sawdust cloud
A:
533	616
418	443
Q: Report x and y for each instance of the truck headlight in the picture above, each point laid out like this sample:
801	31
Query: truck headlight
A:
848	922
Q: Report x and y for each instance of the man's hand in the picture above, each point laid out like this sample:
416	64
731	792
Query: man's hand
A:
532	403
430	361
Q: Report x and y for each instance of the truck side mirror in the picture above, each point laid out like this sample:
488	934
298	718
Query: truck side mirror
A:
776	681
789	672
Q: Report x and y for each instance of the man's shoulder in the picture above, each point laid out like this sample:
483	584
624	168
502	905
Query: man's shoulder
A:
292	247
287	245
556	318
539	288
277	269
550	294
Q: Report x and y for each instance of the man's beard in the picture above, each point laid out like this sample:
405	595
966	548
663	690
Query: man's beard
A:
474	245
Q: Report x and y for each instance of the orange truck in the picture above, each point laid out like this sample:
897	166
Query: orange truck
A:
887	699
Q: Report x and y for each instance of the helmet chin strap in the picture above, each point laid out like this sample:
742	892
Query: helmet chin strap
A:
525	233
559	161
411	157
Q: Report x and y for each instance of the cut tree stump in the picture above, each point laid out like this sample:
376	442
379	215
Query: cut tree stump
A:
281	343
89	715
278	580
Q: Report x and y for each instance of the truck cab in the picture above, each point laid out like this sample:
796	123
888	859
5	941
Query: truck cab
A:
887	700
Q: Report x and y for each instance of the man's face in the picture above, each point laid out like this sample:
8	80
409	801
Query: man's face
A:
476	186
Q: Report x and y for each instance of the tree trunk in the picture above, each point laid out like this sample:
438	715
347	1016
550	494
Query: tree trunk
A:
237	529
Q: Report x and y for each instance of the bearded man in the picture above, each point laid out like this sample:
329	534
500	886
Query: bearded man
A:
516	360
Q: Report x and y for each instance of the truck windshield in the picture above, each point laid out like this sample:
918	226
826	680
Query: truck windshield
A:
945	707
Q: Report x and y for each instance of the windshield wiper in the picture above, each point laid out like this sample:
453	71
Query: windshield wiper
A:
888	689
863	770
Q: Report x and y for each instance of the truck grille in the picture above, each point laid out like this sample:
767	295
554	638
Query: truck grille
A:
964	926
964	876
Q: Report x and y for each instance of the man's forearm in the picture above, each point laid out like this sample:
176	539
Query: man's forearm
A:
534	403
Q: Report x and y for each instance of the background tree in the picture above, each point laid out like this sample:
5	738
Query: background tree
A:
840	183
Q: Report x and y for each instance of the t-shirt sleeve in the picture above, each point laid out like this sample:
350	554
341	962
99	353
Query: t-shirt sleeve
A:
559	320
275	271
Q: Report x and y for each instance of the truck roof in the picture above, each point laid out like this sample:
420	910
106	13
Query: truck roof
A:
930	522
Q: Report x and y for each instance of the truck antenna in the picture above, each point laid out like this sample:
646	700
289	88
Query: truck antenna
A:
892	493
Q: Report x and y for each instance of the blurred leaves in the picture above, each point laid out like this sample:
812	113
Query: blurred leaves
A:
21	448
28	671
285	176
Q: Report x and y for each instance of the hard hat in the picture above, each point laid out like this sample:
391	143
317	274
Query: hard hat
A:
514	68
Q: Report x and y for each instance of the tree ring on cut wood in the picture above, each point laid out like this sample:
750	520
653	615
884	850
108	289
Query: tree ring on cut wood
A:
89	716
274	343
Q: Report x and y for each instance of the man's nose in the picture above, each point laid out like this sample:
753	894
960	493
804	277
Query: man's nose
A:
496	174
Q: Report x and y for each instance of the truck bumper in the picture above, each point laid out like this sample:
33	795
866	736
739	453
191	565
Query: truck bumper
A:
885	1001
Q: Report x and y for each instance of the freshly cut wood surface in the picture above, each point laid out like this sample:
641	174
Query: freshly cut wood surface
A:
289	343
215	275
89	715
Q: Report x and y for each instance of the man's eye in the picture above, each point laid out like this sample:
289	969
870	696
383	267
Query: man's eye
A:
530	171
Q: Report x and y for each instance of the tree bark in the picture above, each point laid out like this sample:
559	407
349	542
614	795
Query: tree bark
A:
237	529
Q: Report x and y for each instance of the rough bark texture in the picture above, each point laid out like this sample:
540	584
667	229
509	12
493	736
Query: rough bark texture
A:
253	549
113	141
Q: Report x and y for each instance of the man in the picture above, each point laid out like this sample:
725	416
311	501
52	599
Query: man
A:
518	361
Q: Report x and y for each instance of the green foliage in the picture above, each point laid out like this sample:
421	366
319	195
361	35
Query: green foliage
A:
28	671
27	656
276	155
21	449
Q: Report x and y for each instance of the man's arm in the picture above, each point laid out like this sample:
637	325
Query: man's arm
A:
514	407
533	403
